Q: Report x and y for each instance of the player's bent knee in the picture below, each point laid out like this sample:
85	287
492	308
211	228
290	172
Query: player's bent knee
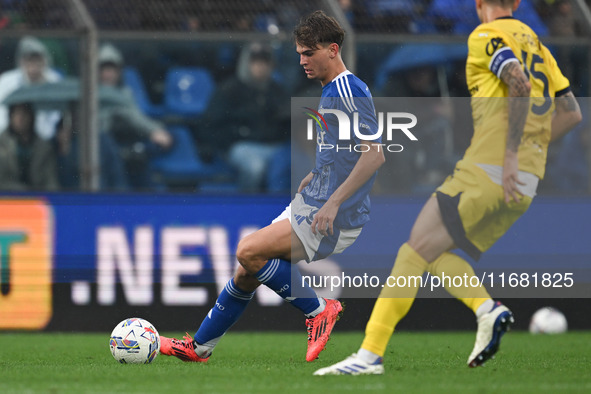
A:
248	256
430	248
245	280
423	248
242	274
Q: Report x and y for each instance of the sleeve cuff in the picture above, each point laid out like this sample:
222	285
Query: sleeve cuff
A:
562	92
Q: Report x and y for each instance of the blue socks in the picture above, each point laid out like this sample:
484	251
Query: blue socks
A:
227	310
279	276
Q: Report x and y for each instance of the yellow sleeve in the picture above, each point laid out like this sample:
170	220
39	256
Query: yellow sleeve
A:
489	49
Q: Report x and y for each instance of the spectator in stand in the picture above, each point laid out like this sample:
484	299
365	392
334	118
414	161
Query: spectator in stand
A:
392	16
347	8
33	67
27	162
66	147
135	133
568	170
250	115
562	20
423	165
5	19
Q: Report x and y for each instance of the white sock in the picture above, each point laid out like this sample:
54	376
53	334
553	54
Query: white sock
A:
318	310
484	308
204	350
367	356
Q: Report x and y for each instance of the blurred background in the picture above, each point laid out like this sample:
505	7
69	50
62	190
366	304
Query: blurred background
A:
174	96
140	140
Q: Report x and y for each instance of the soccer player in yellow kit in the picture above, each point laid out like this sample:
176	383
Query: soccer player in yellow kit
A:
520	102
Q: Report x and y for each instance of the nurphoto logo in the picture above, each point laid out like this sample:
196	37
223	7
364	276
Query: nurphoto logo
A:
395	122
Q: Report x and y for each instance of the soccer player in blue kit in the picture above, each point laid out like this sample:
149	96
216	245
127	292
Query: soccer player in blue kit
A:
333	198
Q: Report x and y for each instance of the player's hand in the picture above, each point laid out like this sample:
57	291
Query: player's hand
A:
510	178
161	138
324	218
305	182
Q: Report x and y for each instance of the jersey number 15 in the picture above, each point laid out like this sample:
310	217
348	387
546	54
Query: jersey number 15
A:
536	59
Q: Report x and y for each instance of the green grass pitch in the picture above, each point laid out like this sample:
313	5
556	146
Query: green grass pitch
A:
275	363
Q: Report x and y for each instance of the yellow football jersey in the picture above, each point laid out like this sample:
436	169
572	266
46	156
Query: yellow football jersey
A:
491	46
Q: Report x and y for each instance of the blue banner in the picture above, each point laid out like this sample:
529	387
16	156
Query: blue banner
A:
159	251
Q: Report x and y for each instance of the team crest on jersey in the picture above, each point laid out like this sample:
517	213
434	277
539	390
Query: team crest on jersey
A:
494	44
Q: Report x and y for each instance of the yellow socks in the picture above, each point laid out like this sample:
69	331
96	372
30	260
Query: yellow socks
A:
394	302
451	265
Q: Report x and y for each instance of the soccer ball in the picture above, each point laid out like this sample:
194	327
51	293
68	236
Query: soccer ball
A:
548	320
134	341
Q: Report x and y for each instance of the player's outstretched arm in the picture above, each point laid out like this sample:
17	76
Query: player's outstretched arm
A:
366	166
566	116
519	89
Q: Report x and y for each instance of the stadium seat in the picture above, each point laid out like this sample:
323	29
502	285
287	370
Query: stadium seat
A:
188	90
390	7
462	15
528	15
266	23
279	170
416	55
181	164
132	79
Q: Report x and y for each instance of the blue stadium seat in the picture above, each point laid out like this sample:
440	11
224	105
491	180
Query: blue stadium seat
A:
279	170
528	15
188	90
181	163
390	7
410	56
462	14
133	80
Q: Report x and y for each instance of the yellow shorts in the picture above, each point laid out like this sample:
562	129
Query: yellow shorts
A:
474	210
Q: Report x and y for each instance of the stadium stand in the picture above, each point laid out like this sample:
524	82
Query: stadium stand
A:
181	164
187	48
187	91
133	80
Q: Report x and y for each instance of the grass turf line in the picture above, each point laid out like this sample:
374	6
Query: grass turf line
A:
275	362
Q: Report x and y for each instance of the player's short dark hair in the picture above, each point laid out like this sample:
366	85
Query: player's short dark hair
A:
318	28
502	3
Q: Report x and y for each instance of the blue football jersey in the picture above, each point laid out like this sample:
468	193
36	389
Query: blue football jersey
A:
338	147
